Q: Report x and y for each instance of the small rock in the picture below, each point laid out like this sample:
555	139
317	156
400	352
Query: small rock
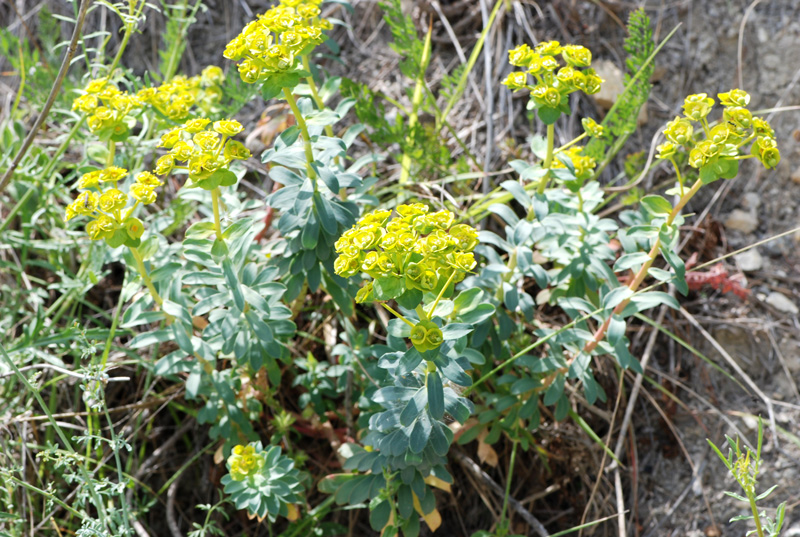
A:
751	201
743	221
789	349
780	302
612	87
749	260
796	175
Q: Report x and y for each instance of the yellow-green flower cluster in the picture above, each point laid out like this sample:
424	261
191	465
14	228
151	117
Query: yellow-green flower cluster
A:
724	140
584	165
175	99
203	146
244	462
105	204
109	109
272	43
424	249
552	82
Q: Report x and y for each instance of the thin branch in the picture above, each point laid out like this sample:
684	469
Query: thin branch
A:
473	468
56	89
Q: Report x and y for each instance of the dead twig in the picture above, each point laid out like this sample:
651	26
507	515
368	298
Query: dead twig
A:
54	92
472	467
728	358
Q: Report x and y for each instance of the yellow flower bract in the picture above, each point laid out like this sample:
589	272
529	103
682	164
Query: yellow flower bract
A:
424	248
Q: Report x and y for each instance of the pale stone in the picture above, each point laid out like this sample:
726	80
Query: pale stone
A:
751	201
796	175
749	260
780	302
743	221
612	87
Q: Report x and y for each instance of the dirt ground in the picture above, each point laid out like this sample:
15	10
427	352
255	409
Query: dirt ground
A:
675	487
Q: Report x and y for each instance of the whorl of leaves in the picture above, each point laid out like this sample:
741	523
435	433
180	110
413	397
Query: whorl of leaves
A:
621	120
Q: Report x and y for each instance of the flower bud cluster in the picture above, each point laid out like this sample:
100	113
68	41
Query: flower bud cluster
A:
203	146
426	336
552	82
424	249
271	44
592	128
102	201
244	462
175	99
723	141
108	107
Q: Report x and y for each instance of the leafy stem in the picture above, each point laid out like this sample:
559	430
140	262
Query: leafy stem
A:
304	133
416	102
315	92
112	149
548	159
640	276
215	203
145	276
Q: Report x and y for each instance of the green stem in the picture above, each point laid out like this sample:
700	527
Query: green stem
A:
508	483
416	101
315	92
113	330
570	144
116	446
548	160
678	173
98	503
398	315
312	516
146	277
441	293
215	203
129	28
112	149
756	518
304	132
512	264
60	151
47	495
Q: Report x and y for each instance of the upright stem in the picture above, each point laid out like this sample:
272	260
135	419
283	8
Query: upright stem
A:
146	277
416	101
508	481
215	203
315	93
130	26
304	132
112	149
120	479
51	165
756	519
548	160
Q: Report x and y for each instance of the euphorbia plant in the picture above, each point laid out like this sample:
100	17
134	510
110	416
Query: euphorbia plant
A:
415	258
